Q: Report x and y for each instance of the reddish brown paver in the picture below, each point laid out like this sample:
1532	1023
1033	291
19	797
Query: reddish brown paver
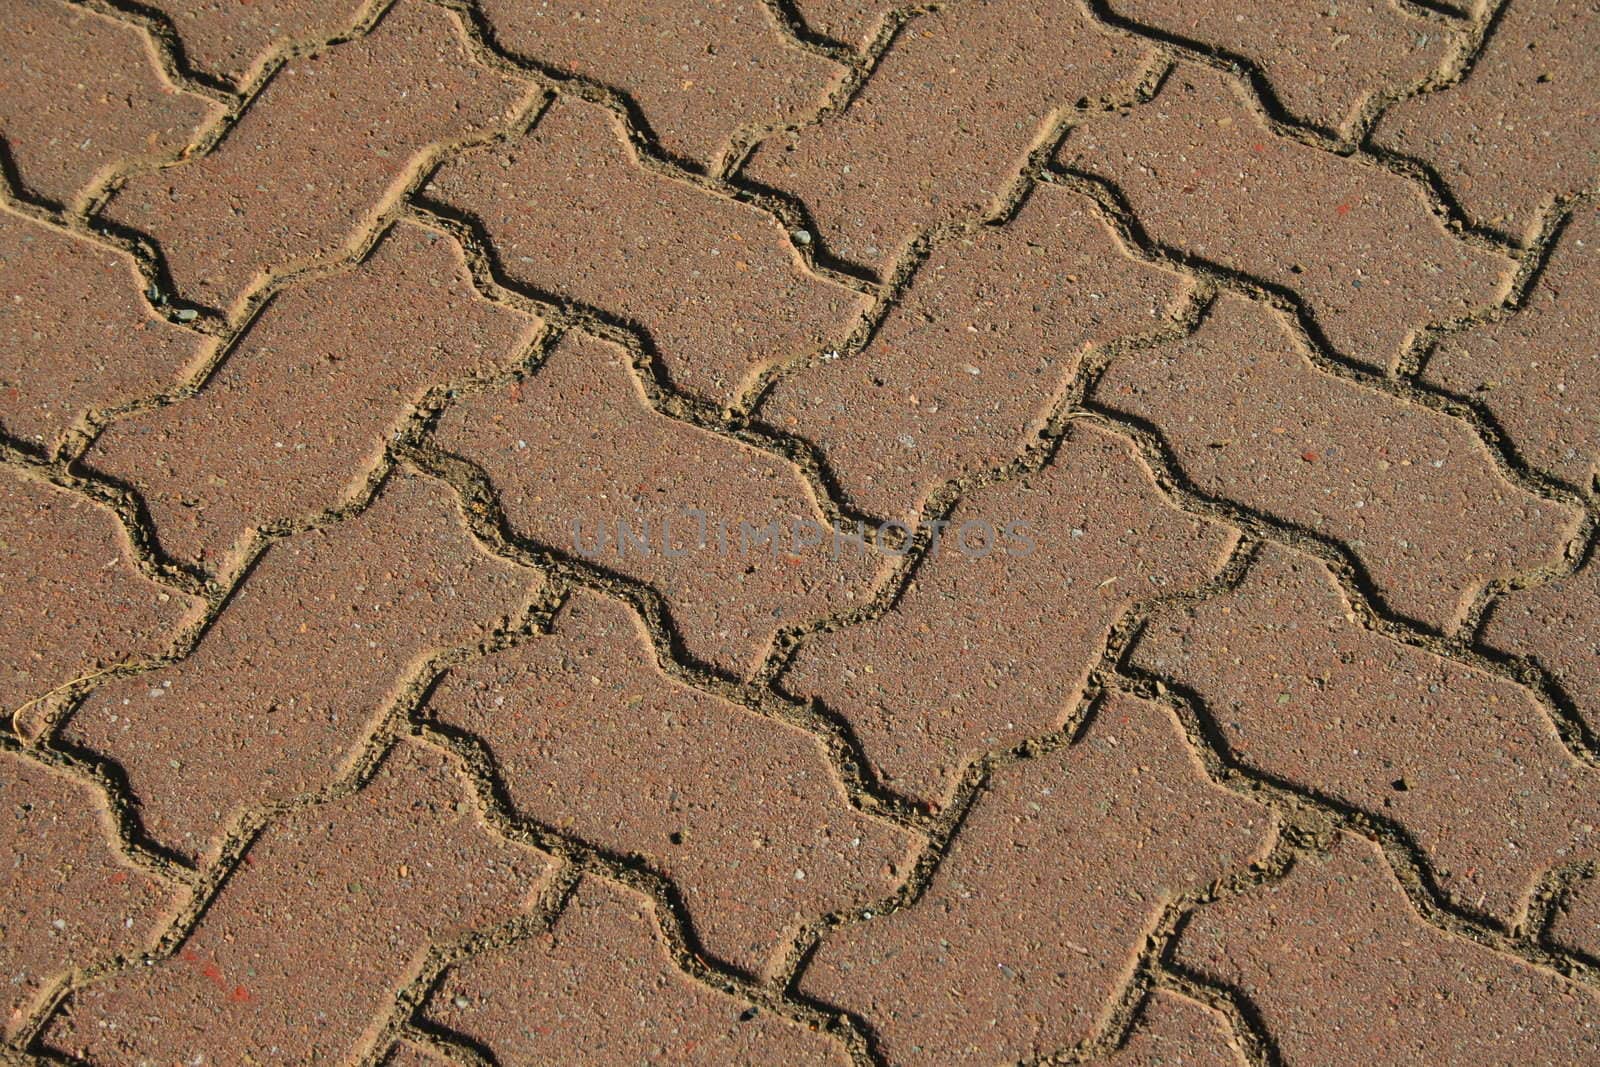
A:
992	642
946	121
1034	916
81	96
698	71
1468	764
1323	62
740	812
422	639
703	497
72	596
1555	625
1175	1030
234	42
1341	969
249	716
274	973
1523	127
600	988
299	413
1358	244
974	355
712	283
71	898
1575	925
75	333
849	21
331	139
1537	372
1249	418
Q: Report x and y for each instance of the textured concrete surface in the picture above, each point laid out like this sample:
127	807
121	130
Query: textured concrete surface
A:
799	531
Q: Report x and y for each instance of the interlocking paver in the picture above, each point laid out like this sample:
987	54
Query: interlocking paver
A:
739	811
1523	126
1031	922
1174	1030
299	413
331	138
698	70
1537	371
849	21
1323	62
72	597
1575	926
973	356
233	42
288	681
700	496
1554	623
983	653
74	332
70	898
601	989
328	914
1300	949
81	96
712	282
1360	245
1411	492
1468	764
946	121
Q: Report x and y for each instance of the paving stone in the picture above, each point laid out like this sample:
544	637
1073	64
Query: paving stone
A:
1410	491
576	453
1523	126
1174	1030
1555	624
1533	370
712	282
600	988
1575	925
303	173
741	812
299	957
287	683
1358	244
699	71
1467	763
945	122
71	899
1341	970
300	412
989	647
1031	924
232	41
849	21
74	332
1323	62
81	95
73	599
971	360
